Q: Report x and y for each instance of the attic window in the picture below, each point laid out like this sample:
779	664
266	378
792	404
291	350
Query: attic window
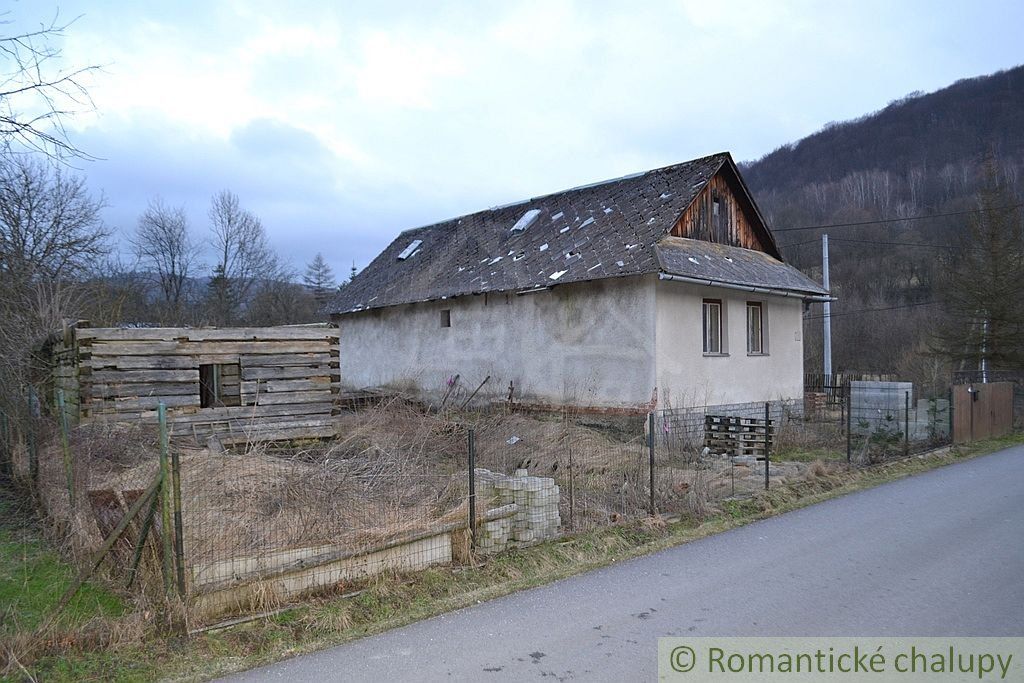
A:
716	205
526	220
410	250
446	317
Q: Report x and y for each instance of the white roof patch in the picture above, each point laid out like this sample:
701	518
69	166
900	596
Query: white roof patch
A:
526	220
587	222
544	247
557	216
557	274
410	250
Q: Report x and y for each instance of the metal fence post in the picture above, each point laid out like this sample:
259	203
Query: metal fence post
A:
572	489
165	499
767	442
906	423
65	444
179	530
650	457
472	486
849	425
949	412
33	446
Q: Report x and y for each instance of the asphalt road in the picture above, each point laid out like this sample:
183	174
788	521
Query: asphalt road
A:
939	554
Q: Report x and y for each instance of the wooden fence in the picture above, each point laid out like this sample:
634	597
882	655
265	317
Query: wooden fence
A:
982	411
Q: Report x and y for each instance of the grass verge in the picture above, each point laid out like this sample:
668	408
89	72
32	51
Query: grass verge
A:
391	601
33	576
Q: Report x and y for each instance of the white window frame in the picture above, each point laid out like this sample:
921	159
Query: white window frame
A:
762	349
707	327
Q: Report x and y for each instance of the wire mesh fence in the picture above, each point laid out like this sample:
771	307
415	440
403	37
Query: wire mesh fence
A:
404	487
888	420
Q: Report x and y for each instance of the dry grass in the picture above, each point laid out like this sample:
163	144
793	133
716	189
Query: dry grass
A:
395	470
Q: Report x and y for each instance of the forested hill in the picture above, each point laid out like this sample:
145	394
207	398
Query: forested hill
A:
923	155
963	121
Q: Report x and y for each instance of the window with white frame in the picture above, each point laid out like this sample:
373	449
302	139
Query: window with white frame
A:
755	328
713	326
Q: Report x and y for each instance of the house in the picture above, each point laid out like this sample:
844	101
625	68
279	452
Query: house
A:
666	283
238	383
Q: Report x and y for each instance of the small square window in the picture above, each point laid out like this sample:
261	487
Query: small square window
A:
220	385
446	317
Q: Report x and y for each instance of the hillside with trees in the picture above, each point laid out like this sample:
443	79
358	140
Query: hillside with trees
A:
915	195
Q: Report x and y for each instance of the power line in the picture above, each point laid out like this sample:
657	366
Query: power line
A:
898	220
893	244
873	310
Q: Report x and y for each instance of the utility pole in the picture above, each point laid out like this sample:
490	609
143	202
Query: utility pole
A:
828	309
984	350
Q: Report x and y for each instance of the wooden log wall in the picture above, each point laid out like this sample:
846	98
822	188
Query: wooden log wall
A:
276	382
730	225
64	372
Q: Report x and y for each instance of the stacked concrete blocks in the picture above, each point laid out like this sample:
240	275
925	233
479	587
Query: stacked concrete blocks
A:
536	517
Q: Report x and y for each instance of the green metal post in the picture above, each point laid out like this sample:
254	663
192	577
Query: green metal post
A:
65	442
165	500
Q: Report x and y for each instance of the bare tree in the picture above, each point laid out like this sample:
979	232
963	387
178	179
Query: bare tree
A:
282	302
51	237
320	278
165	248
37	95
243	256
50	227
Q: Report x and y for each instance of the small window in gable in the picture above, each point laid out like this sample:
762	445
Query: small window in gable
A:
446	317
220	385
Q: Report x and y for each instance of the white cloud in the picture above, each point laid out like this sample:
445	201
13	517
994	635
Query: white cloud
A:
413	112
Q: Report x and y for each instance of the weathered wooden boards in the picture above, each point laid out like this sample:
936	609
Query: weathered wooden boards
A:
243	383
718	214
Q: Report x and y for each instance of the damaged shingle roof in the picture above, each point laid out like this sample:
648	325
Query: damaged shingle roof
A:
598	231
720	263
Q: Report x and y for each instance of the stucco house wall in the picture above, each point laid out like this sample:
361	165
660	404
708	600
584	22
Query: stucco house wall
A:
607	343
588	343
689	377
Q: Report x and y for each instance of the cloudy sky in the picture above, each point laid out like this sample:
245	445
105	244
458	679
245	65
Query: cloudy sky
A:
342	123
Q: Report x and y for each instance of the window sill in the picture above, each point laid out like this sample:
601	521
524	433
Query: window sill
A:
715	355
758	354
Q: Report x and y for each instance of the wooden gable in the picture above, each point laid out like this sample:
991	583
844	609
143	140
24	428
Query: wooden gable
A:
724	213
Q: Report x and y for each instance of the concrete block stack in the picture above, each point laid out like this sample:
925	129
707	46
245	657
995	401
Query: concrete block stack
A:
536	517
492	537
536	498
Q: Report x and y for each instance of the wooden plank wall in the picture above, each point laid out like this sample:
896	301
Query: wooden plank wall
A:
64	372
731	226
287	384
988	416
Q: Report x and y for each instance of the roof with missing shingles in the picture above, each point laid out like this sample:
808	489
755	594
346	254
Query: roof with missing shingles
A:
612	229
700	260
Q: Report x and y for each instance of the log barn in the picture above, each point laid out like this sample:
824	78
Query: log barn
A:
239	383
